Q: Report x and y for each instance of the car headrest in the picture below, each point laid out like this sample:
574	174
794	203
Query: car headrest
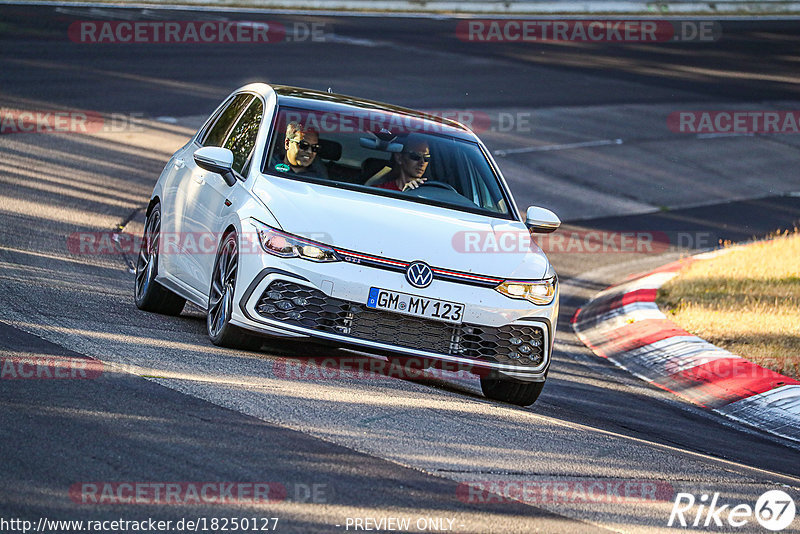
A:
330	150
372	165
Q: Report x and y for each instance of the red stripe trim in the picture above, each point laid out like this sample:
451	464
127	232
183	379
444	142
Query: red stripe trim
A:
638	334
668	268
674	266
373	258
470	276
613	302
728	380
712	384
405	264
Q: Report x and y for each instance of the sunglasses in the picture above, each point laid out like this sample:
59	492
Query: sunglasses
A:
416	156
305	145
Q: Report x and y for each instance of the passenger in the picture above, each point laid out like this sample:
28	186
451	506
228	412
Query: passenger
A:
300	152
408	168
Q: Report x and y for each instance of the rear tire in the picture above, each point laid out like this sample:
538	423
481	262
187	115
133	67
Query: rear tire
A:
511	391
220	300
148	294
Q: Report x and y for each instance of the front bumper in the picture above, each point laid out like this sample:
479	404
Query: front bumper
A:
514	342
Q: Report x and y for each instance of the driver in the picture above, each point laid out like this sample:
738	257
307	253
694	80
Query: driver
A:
409	166
301	145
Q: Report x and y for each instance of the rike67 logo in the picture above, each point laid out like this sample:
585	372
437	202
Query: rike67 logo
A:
774	511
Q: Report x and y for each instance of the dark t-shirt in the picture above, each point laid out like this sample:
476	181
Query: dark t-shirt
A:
316	169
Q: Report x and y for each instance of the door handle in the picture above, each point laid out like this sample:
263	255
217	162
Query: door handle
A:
199	178
179	164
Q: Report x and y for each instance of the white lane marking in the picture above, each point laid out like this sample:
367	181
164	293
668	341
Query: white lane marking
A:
716	253
154	12
621	317
329	12
565	146
335	38
716	135
528	9
120	12
98	13
651	281
601	142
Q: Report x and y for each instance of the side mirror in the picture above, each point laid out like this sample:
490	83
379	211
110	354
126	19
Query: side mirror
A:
218	160
541	220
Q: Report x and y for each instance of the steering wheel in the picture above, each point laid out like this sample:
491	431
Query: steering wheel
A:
439	184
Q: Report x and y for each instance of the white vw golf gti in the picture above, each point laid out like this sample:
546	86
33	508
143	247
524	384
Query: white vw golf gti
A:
301	214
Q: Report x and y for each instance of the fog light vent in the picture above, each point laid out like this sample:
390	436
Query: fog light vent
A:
285	305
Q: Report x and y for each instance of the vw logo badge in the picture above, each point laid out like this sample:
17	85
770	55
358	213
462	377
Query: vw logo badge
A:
419	274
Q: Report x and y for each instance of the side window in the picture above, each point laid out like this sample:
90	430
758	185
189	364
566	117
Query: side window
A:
217	134
242	138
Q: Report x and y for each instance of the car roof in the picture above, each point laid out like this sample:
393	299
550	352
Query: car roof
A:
333	102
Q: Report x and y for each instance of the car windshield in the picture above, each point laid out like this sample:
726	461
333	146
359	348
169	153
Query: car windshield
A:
388	154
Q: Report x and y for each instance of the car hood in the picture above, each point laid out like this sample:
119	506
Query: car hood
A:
402	230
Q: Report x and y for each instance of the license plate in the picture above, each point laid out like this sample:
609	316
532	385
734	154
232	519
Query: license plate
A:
439	310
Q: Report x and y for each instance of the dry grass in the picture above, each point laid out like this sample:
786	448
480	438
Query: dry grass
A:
746	301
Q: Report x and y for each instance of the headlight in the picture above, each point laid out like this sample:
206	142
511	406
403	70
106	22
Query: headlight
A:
286	245
539	291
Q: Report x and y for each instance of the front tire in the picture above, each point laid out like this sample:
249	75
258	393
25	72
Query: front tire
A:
148	294
510	391
220	299
410	364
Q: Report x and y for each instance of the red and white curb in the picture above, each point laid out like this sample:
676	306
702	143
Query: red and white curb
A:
623	324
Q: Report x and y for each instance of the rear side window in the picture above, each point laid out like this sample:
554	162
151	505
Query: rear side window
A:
242	138
217	134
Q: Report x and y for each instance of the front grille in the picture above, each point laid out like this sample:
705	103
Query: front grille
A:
310	308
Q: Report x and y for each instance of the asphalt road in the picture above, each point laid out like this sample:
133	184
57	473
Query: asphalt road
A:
170	407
